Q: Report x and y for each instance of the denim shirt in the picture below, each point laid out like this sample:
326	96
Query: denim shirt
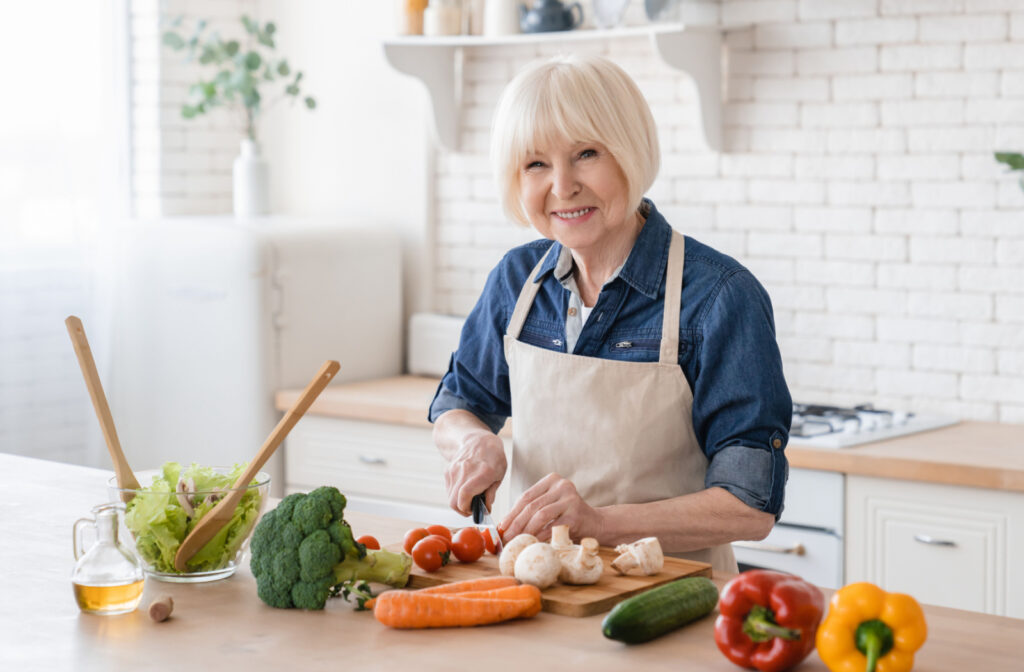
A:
727	350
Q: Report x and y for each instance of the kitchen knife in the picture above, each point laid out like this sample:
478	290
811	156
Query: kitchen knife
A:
482	517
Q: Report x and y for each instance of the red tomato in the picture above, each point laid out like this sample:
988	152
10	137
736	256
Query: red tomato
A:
440	530
446	540
468	544
430	553
488	542
412	536
369	542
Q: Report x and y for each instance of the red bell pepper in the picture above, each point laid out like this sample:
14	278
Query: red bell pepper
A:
767	620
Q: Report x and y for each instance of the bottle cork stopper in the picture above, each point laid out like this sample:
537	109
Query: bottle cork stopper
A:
160	609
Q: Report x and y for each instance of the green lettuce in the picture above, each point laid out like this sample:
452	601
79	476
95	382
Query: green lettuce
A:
159	524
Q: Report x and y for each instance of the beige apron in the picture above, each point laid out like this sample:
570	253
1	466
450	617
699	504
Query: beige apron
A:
622	432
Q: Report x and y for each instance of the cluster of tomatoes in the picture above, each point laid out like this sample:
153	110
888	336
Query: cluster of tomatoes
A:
431	547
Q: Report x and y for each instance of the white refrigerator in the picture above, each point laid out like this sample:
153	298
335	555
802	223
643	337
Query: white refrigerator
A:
213	315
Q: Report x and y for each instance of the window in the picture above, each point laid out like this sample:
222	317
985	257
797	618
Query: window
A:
63	187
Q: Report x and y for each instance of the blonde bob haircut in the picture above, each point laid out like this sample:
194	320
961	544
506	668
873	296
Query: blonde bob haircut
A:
580	99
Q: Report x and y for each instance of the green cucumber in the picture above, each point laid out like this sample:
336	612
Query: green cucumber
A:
652	613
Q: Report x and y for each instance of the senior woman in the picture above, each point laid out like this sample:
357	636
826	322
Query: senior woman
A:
639	365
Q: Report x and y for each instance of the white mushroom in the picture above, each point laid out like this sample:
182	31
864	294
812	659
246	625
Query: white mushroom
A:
584	566
538	565
507	559
214	496
561	542
644	554
184	490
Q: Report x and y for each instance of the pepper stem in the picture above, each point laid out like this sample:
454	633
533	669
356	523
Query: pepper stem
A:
874	639
760	626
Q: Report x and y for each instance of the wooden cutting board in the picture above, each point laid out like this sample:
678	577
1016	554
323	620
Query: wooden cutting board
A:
564	599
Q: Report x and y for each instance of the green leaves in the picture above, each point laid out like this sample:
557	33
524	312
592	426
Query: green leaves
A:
174	41
252	61
243	67
1014	160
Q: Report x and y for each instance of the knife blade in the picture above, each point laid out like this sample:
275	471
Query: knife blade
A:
481	517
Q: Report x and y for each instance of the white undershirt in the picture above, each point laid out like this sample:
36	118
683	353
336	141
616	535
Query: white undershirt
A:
584	314
577	314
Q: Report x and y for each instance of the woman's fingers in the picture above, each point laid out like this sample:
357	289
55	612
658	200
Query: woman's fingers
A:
551	501
511	523
479	465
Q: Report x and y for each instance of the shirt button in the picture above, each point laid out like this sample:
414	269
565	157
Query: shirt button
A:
776	443
572	312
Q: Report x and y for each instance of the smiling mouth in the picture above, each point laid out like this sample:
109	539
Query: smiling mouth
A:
573	214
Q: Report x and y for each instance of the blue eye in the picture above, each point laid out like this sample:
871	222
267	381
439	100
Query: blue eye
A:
534	164
588	153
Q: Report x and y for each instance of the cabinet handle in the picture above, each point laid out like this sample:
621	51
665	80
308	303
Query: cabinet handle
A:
932	541
795	549
372	460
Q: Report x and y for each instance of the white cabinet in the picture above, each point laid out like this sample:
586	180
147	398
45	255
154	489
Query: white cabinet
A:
382	468
808	539
947	545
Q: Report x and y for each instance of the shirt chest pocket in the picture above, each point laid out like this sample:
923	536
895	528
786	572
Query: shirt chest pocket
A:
634	347
549	339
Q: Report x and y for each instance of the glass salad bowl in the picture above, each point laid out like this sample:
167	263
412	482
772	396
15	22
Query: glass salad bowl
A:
171	501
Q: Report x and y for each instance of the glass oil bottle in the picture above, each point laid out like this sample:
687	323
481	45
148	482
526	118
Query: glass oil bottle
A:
107	578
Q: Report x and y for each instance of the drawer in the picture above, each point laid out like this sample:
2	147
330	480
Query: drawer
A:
814	555
945	545
815	499
377	460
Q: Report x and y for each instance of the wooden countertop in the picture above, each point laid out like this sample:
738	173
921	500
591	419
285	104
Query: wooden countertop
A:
223	623
978	454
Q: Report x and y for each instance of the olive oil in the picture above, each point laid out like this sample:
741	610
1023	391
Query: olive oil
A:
108	599
107	579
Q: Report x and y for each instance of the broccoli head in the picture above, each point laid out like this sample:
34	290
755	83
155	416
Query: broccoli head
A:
303	552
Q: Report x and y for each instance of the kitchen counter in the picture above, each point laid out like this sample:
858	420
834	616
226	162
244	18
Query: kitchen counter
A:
223	624
978	454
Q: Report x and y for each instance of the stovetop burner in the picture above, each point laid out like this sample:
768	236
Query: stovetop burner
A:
839	427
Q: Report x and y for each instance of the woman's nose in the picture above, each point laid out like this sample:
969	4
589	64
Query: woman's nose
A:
565	183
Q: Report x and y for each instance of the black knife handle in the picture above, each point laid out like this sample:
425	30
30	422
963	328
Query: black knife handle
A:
479	508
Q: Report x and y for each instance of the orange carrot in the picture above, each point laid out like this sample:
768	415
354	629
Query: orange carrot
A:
413	609
488	583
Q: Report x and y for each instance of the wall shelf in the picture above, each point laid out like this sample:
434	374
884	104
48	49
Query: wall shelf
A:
436	61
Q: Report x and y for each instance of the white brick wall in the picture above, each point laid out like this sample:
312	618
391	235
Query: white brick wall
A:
858	185
857	182
180	166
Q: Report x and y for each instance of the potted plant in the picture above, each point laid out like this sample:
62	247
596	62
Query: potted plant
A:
1014	160
241	75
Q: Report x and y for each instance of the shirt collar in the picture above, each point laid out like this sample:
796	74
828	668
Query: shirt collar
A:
645	265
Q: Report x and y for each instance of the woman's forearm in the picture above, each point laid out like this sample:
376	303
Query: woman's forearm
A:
453	428
699	520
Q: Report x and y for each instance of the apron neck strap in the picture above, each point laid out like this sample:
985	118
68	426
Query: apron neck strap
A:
673	292
526	296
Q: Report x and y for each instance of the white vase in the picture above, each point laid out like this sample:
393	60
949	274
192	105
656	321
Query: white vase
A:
251	181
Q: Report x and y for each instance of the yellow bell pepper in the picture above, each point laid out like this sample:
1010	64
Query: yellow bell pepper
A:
870	630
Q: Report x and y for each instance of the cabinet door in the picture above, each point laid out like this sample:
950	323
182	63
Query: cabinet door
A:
382	468
390	462
945	545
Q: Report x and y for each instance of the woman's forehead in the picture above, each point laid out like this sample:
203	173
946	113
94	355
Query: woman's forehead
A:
553	143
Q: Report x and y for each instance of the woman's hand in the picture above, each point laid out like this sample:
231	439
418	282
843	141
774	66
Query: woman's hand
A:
552	500
478	466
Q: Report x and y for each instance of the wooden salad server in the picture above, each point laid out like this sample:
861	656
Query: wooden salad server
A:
125	476
220	514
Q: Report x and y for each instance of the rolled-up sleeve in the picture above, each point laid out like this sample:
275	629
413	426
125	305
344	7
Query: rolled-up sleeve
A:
477	377
742	408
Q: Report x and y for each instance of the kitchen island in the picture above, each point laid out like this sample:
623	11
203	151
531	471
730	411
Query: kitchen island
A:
223	625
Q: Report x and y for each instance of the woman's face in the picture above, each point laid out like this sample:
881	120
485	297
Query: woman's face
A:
576	193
